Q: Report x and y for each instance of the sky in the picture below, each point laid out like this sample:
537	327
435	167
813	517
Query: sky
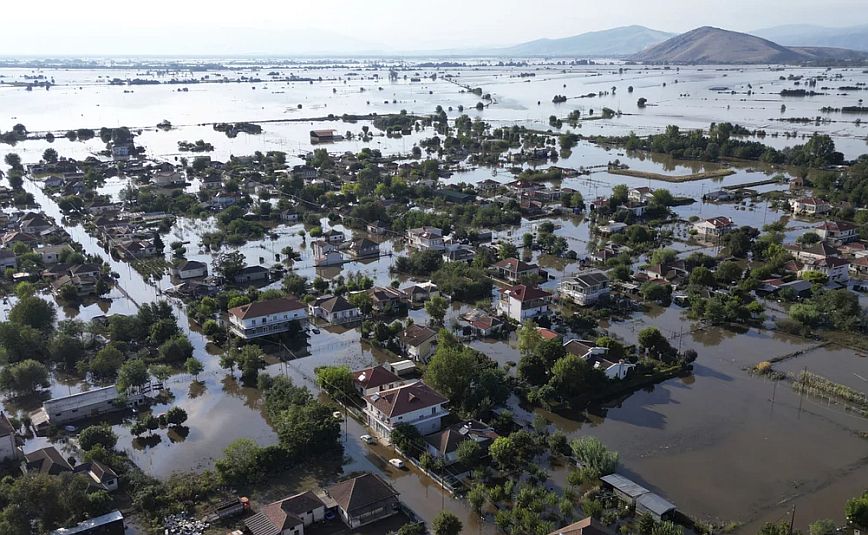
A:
218	27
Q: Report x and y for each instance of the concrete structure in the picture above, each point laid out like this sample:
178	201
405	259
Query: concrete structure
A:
810	206
252	274
264	318
326	254
585	288
415	404
837	231
87	404
376	379
514	270
190	269
713	228
335	310
522	302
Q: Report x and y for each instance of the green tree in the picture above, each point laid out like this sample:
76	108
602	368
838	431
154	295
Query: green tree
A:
33	312
528	337
240	463
337	381
132	374
194	367
728	272
823	526
593	456
303	429
176	349
446	523
662	256
228	265
176	416
106	362
701	276
23	378
97	435
667	527
856	510
436	309
469	452
413	528
406	438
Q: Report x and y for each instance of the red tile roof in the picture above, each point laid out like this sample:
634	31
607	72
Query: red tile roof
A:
406	399
266	308
524	293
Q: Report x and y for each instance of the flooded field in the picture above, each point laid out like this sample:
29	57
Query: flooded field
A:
720	443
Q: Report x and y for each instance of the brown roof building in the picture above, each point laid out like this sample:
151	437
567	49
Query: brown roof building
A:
364	499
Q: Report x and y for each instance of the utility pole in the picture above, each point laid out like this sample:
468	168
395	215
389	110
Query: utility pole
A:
792	519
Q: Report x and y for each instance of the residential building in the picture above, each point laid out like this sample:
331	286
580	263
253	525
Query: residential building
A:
34	223
522	302
714	228
482	324
167	178
51	254
8	259
810	206
190	269
586	526
108	524
264	318
364	499
46	461
459	253
378	227
837	231
813	252
514	270
642	194
86	404
596	357
322	136
416	404
252	274
305	172
334	236
8	444
364	248
426	239
84	284
376	379
335	310
421	292
834	268
288	516
385	300
85	270
585	288
444	444
418	342
326	254
100	475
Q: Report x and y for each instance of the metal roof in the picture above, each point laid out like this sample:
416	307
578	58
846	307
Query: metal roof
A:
655	503
114	516
628	487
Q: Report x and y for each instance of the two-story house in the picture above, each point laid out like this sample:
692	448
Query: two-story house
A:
415	404
585	288
418	342
335	310
641	194
376	379
837	231
426	239
713	228
8	445
514	270
364	248
522	302
264	318
810	206
288	516
190	269
326	254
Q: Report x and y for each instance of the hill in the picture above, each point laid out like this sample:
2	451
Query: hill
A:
622	41
851	37
708	45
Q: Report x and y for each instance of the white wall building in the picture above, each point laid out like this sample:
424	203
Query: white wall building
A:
416	404
268	317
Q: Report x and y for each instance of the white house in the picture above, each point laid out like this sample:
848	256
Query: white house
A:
426	239
585	288
416	404
8	447
714	228
167	178
838	231
522	302
596	356
641	194
513	269
51	254
326	254
190	269
335	310
288	516
834	268
810	206
376	379
418	342
264	318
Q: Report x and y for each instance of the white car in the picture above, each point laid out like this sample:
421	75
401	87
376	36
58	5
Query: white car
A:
367	439
397	463
338	415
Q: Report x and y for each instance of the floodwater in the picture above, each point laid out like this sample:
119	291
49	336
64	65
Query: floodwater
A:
719	443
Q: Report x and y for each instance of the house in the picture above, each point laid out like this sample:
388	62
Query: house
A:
190	269
482	324
514	270
326	254
523	186
15	236
385	300
596	357
121	150
813	252
714	228
665	272
459	253
364	499
426	239
51	254
636	495
8	444
421	292
720	195
834	268
289	216
444	444
376	379
33	223
378	227
84	284
108	524
53	181
416	404
322	136
612	227
522	302
84	270
487	186
418	342
334	236
288	516
167	178
8	259
252	274
47	461
100	475
364	248
264	318
642	194
211	182
304	172
586	526
837	231
585	288
87	404
859	266
810	206
335	310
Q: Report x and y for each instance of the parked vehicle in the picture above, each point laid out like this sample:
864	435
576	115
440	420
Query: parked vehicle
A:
367	439
397	463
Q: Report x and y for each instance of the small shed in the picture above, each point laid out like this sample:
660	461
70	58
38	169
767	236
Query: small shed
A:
624	488
655	505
